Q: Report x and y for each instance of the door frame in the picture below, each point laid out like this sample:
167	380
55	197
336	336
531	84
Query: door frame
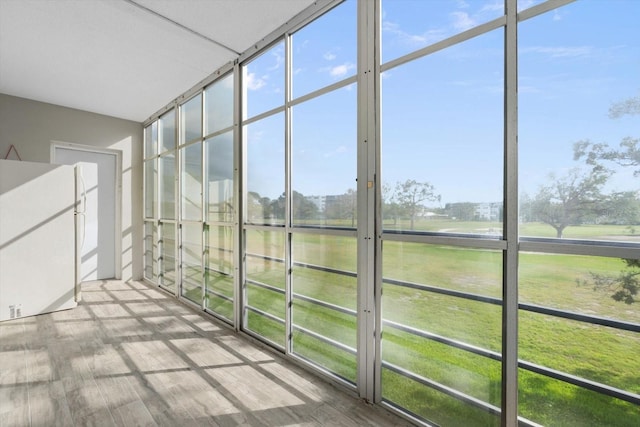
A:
118	192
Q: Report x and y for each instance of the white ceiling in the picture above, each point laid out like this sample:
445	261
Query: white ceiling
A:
126	58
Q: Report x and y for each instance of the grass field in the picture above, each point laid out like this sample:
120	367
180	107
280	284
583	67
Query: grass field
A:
596	353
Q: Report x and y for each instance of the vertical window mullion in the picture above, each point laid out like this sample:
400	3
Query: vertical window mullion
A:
510	232
368	107
288	195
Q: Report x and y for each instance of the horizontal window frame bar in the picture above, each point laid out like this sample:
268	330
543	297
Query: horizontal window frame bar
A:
602	248
581	382
228	129
328	231
541	8
448	42
325	304
327	340
217	294
264	115
322	91
463	397
447	239
479	351
264	286
263	313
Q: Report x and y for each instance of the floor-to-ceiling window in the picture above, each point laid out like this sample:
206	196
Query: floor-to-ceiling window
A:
442	143
579	124
167	205
191	224
432	202
220	199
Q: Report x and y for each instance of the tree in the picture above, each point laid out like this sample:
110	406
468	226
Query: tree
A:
625	205
625	285
628	151
343	206
410	196
572	199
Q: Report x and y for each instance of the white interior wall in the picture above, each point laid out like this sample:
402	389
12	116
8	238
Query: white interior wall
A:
31	127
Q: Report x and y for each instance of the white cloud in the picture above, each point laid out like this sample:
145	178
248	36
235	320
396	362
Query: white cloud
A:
462	21
496	6
254	83
341	70
278	55
556	15
329	56
560	51
412	39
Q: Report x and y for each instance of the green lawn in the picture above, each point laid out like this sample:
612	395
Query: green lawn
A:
593	352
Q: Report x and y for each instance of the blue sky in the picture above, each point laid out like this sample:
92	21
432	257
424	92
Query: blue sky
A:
442	116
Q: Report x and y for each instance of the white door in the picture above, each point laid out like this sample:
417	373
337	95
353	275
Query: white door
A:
98	254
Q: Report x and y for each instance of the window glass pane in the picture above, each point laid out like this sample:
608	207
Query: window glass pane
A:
191	120
219	271
595	288
167	191
151	178
526	4
192	181
324	160
265	170
579	171
263	82
191	258
321	54
265	283
437	300
167	131
151	140
442	140
168	256
324	302
409	25
150	251
218	99
219	154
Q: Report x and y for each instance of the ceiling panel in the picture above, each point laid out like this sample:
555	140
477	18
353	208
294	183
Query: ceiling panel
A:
119	58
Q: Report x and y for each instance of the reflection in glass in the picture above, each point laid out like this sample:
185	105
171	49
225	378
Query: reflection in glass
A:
167	190
442	140
191	120
219	271
265	170
151	140
324	160
191	158
151	177
417	306
218	105
191	257
322	55
168	256
150	251
578	172
219	186
263	82
409	25
167	131
264	284
324	301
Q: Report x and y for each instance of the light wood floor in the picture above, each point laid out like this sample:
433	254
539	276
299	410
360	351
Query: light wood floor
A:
130	355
